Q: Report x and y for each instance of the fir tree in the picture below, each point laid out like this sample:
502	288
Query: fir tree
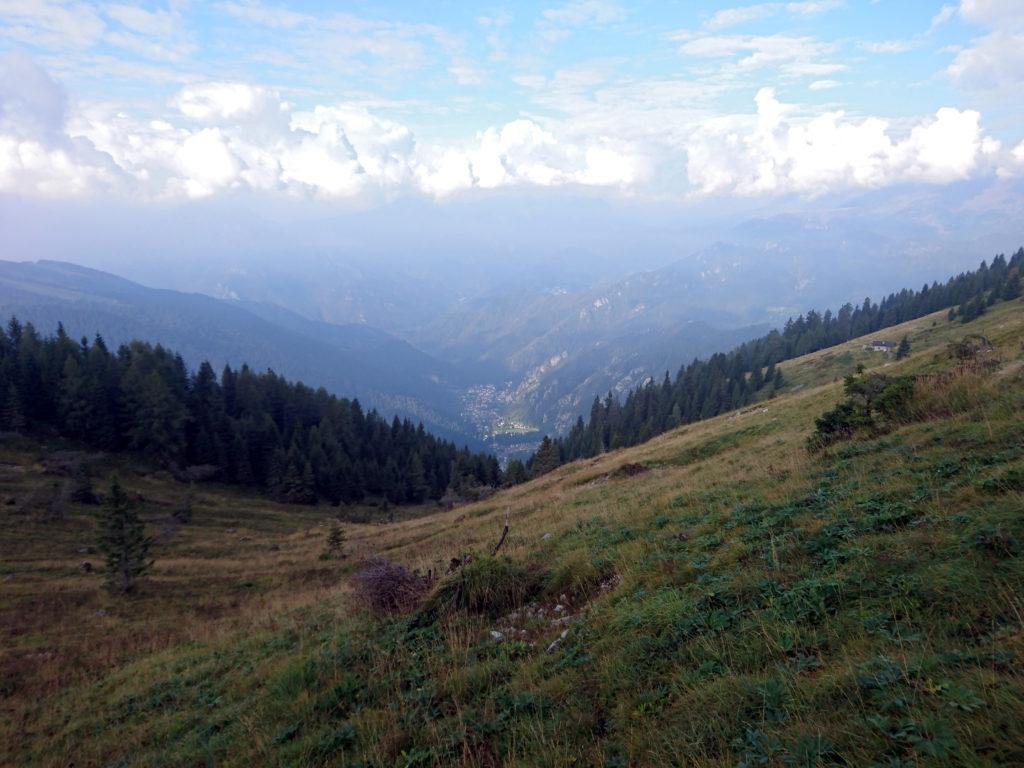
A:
81	485
515	472
183	512
903	349
546	458
416	487
336	541
1011	288
122	540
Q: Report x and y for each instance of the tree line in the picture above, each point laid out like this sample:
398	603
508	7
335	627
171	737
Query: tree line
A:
296	443
724	381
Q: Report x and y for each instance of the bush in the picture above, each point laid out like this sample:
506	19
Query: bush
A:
488	585
388	587
873	403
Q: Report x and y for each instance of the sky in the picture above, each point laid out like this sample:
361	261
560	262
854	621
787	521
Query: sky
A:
353	104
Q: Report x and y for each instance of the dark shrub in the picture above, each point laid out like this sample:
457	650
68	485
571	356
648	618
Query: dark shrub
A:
488	585
387	587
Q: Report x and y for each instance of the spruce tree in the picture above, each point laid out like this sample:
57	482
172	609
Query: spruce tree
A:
336	541
546	458
81	485
122	540
416	487
515	472
903	349
1011	288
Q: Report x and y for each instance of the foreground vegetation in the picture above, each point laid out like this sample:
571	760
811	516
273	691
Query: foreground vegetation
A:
718	596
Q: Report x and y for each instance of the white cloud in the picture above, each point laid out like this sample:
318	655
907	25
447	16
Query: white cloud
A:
270	16
888	46
945	14
730	17
466	72
558	23
777	152
660	135
206	163
993	62
993	13
811	7
55	24
792	55
155	23
215	102
585	12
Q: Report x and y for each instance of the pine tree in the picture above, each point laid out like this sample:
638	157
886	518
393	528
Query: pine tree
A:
546	458
903	349
515	473
122	540
1011	288
13	413
81	485
416	487
336	541
183	512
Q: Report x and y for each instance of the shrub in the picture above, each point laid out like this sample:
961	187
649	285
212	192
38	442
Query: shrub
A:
386	587
336	540
488	585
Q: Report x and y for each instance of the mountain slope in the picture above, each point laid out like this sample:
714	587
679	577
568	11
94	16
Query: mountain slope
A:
715	597
352	360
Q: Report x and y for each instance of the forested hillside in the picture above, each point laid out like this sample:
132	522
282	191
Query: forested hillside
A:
354	360
260	430
705	388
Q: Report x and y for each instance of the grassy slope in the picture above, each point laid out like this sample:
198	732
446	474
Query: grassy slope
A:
742	602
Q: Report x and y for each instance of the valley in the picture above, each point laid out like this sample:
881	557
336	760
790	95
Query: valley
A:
733	597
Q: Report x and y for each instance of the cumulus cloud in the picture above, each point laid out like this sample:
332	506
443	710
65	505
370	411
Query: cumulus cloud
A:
230	136
232	102
37	156
776	151
219	137
993	62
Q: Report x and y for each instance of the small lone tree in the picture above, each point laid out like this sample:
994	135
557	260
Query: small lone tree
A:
336	541
183	512
81	485
122	540
903	349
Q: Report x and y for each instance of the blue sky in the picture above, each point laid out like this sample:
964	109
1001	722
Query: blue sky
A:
364	100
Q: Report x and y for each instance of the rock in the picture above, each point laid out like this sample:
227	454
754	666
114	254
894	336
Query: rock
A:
498	636
545	537
558	640
559	608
